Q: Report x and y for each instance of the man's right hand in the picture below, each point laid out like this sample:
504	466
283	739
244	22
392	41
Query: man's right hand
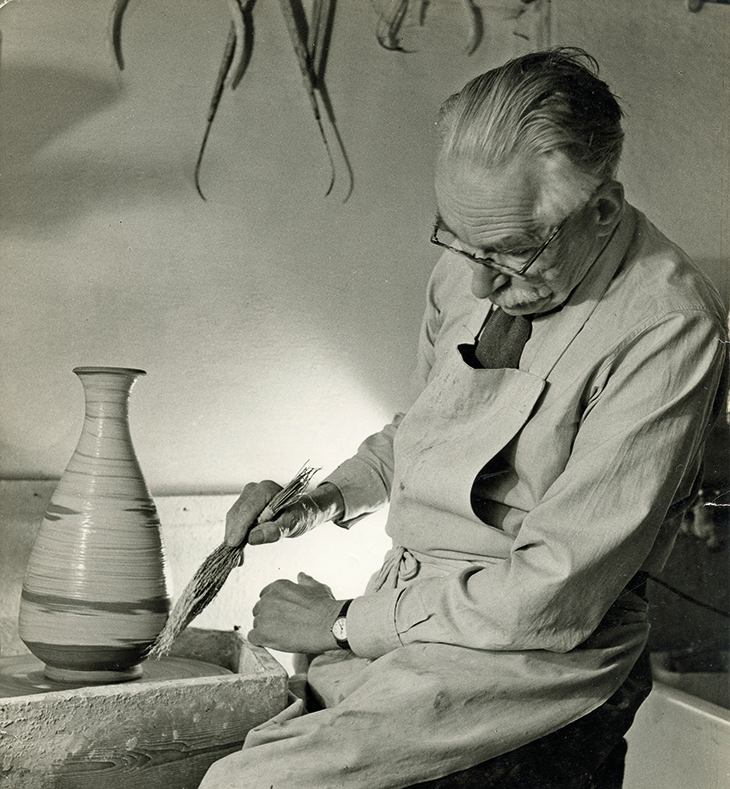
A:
322	504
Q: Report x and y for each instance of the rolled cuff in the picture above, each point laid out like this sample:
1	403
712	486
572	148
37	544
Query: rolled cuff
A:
371	627
362	488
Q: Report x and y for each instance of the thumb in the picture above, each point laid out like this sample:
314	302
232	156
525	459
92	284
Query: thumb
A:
263	533
307	580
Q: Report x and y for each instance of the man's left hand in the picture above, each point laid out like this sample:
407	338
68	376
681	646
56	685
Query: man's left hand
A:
295	617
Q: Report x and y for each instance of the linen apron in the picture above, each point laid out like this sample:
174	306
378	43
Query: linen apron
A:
425	710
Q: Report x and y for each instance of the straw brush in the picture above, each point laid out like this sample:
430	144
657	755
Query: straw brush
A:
213	572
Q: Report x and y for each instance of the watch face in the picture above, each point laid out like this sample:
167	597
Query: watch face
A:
338	629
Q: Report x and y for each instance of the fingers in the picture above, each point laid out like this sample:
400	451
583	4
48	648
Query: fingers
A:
263	533
324	503
295	617
275	586
285	589
254	638
248	507
307	580
293	522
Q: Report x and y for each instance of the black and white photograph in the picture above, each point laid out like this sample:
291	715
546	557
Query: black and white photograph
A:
364	413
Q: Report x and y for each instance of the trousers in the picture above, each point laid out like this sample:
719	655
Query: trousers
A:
587	754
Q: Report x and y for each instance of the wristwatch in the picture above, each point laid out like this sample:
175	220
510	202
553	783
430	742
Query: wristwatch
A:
339	628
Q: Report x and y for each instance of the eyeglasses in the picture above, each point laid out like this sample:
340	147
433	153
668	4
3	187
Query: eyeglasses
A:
520	266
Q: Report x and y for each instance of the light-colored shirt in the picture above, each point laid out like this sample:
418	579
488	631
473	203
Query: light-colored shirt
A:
603	460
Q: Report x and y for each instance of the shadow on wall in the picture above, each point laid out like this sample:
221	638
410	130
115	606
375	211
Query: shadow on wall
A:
38	107
718	270
48	102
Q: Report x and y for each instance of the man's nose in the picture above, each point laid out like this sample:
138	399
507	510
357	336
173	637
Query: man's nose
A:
485	281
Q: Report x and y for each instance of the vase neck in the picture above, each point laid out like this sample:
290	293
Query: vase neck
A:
107	391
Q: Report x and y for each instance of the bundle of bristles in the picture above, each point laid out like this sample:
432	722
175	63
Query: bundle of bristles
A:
213	572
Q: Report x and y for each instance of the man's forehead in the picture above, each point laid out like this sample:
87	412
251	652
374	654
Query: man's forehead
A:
465	188
539	188
518	173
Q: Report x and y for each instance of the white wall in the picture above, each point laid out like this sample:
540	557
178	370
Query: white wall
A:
670	69
276	324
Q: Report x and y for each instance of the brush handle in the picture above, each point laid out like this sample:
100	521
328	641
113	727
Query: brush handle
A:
267	514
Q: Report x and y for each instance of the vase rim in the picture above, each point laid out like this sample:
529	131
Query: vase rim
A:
118	370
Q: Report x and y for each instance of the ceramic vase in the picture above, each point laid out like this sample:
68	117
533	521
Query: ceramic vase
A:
95	596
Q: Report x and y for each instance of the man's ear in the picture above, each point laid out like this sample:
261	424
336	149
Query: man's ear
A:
609	206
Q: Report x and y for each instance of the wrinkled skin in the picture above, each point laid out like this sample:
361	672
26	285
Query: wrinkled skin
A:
515	206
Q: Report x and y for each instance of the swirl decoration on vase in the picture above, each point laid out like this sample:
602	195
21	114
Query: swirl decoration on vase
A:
94	596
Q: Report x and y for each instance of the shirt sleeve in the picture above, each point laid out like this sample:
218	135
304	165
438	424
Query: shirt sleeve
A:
364	480
636	453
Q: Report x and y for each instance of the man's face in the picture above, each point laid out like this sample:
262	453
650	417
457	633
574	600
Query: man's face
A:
505	213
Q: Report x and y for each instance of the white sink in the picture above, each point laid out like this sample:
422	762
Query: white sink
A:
680	740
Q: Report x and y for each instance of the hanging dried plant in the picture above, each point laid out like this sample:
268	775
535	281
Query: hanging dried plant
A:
311	46
389	24
392	20
310	39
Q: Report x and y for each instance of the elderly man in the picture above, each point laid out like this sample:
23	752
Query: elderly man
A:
570	364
